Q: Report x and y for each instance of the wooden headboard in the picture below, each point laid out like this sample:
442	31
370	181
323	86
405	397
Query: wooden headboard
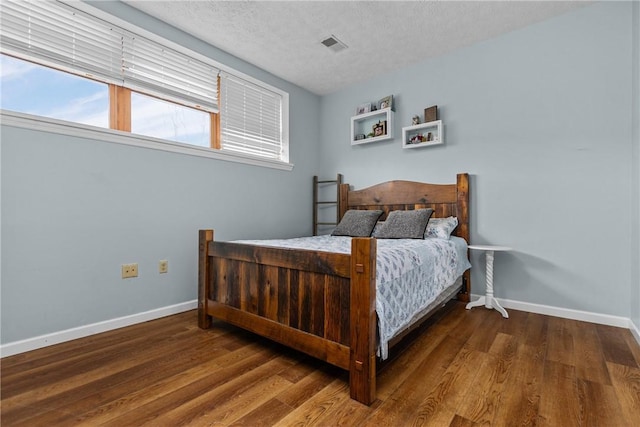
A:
445	200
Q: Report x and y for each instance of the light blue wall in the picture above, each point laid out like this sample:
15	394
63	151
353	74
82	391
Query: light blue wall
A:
541	119
74	210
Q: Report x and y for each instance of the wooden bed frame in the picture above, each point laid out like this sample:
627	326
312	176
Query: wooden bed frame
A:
320	303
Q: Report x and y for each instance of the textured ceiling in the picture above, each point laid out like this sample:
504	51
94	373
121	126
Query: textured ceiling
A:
284	37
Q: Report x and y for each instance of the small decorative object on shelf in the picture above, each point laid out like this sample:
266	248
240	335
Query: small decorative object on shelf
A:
363	108
415	120
380	128
431	114
422	135
372	126
386	102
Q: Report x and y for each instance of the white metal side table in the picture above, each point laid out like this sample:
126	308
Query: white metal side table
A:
488	300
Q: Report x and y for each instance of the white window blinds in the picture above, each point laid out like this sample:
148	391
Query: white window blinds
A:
50	34
154	69
251	119
57	35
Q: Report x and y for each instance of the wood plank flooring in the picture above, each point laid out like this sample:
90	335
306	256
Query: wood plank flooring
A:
462	368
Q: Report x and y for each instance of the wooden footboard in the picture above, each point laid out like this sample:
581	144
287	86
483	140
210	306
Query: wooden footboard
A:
320	303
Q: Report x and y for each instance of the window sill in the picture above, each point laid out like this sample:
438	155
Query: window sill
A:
45	124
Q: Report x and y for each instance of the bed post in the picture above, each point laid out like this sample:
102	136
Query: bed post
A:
462	212
343	200
204	237
362	365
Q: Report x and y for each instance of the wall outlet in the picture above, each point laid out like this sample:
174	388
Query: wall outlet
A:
129	270
163	266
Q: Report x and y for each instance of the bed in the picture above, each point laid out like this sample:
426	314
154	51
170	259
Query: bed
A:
318	302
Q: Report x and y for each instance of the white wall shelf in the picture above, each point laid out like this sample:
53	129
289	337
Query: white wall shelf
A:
363	124
423	135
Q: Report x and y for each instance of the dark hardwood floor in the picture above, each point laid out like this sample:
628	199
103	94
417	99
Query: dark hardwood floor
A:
527	370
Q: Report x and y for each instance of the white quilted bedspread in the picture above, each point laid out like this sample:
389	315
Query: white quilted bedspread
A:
410	274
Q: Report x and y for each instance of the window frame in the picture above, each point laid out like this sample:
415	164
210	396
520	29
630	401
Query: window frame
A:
121	135
62	127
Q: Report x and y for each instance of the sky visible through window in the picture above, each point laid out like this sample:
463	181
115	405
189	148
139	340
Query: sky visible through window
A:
162	119
38	90
33	89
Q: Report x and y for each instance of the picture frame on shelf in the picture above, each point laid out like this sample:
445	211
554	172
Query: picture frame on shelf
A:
431	114
363	108
386	102
380	128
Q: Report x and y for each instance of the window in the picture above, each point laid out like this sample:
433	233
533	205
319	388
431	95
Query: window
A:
161	119
251	118
43	91
90	70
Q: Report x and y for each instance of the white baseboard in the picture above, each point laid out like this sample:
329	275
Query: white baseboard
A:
635	331
567	313
29	344
17	347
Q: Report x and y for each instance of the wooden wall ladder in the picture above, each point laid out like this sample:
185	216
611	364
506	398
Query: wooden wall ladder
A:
317	203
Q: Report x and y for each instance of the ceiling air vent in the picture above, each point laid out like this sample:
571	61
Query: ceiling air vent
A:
334	44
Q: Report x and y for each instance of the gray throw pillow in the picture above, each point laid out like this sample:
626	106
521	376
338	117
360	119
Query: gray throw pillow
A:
404	225
357	223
